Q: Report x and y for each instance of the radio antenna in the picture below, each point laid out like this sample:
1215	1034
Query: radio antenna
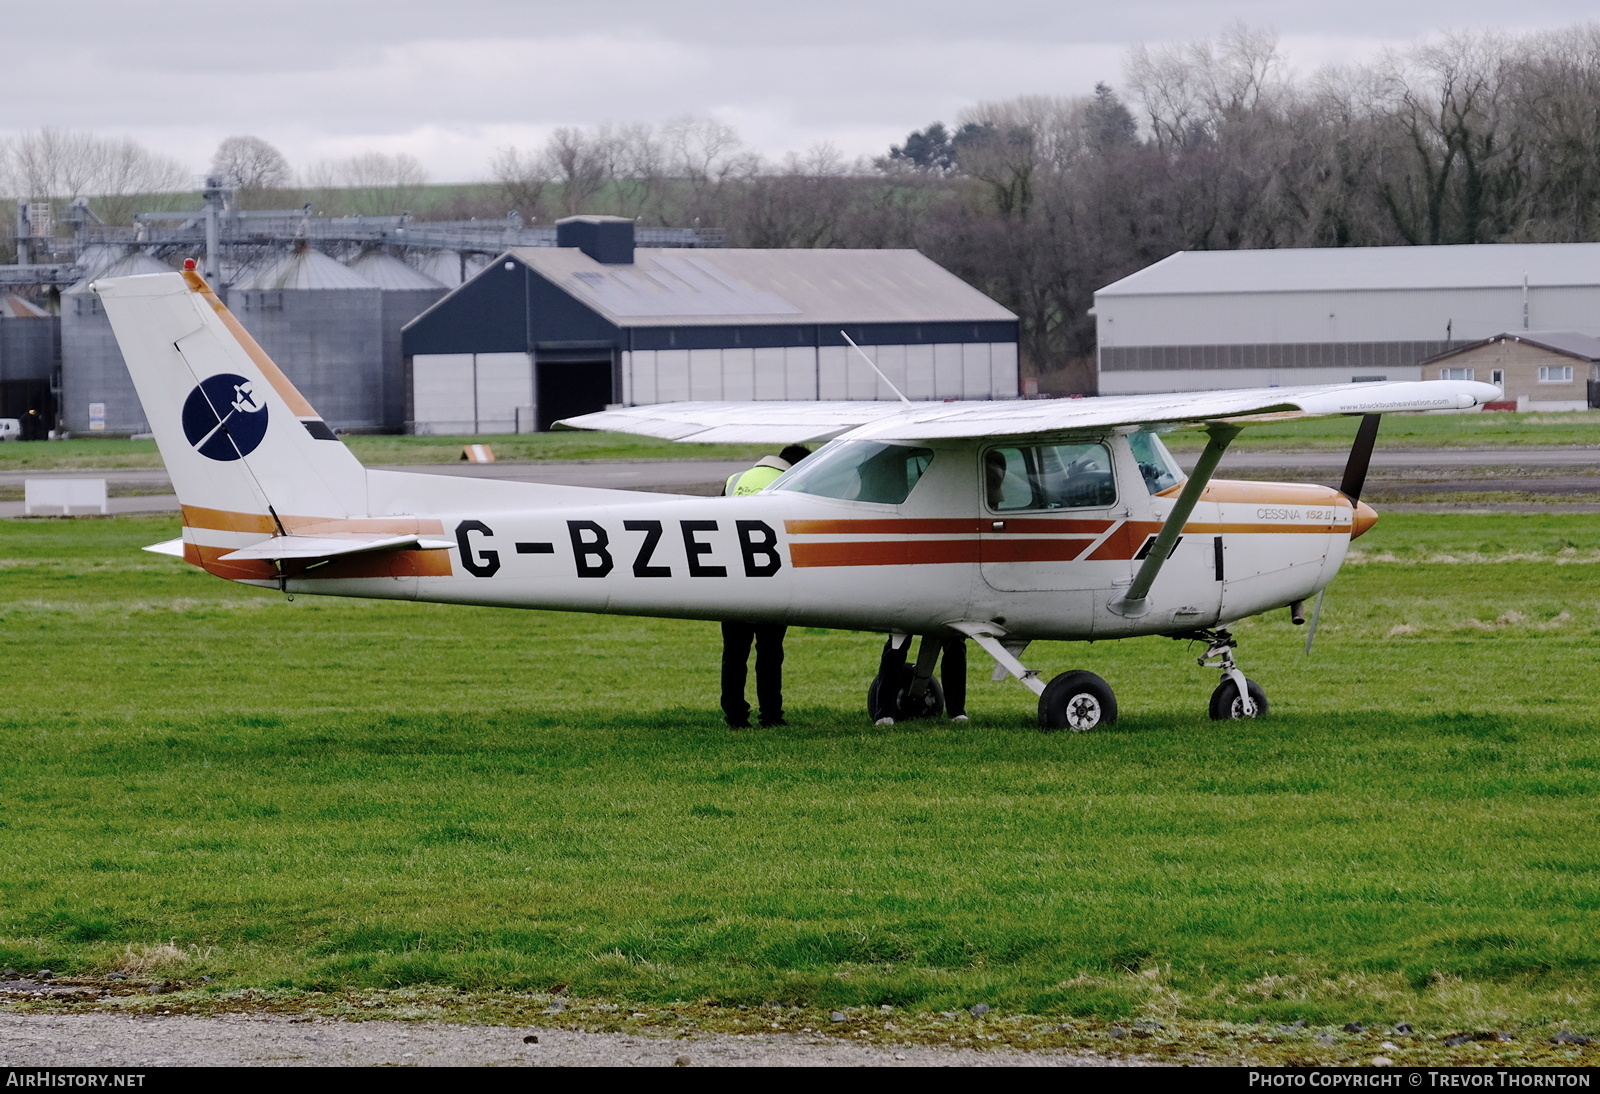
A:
874	366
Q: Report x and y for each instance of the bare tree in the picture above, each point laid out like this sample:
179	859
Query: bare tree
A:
524	178
116	174
250	165
579	163
369	184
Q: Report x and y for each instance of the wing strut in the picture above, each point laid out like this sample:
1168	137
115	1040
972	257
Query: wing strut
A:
1132	604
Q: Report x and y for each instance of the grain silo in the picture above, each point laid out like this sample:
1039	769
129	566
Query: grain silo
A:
406	295
451	268
96	391
323	325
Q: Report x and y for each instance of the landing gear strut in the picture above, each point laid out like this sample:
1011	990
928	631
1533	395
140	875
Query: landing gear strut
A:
1236	696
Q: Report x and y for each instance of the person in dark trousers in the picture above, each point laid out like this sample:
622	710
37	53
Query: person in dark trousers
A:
737	636
952	677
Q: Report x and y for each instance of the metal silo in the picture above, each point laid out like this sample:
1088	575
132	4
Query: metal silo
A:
406	295
323	325
451	268
93	374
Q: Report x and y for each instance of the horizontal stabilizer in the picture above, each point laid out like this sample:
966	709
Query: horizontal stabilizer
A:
173	547
332	546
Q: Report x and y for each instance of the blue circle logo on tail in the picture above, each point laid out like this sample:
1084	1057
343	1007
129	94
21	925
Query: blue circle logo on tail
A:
225	418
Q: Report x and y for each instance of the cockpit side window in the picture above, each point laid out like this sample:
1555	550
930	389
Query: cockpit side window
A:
867	471
1048	476
1156	464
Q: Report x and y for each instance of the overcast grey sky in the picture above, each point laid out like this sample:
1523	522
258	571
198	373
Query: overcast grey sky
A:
451	82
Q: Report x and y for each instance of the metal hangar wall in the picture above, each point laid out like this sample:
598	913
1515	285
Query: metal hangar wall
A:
1201	320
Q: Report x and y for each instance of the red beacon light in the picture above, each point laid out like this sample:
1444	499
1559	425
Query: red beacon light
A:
188	263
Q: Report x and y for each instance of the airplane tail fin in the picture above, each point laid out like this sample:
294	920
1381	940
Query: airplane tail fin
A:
246	452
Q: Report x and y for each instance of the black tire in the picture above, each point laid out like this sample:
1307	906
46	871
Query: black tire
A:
1225	705
1077	700
931	704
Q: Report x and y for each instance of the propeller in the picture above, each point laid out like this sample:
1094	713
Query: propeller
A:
1355	477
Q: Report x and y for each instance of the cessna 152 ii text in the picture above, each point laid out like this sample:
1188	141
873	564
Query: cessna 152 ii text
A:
1001	521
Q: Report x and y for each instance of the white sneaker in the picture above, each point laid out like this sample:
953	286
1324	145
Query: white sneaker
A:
884	722
959	718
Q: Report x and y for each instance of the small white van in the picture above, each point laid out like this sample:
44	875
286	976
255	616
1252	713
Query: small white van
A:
10	429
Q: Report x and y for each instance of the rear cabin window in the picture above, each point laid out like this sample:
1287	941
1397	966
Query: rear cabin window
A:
1048	476
859	471
1156	464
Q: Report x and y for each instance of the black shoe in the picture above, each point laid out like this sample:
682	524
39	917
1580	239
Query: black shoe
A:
773	723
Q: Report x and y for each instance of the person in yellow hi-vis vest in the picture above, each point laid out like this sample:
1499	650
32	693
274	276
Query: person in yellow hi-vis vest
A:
768	637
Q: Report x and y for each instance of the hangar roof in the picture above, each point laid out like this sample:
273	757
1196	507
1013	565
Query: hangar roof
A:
1353	269
750	287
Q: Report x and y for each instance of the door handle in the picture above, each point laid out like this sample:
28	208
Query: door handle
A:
997	525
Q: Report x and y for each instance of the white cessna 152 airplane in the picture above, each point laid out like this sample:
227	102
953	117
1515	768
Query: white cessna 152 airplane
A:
1001	521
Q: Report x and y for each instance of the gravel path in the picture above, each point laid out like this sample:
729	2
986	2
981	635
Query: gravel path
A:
127	1041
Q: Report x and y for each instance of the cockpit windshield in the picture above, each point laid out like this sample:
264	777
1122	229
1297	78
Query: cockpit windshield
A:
859	471
1156	464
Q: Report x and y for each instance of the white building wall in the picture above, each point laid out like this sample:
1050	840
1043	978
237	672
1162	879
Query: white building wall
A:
469	393
891	361
505	382
771	379
833	373
1003	372
946	371
738	374
920	381
800	372
1310	317
705	375
977	370
443	400
672	376
949	380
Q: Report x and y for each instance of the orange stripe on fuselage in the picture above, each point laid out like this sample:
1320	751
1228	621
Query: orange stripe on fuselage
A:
298	406
368	564
888	526
225	520
1236	492
910	552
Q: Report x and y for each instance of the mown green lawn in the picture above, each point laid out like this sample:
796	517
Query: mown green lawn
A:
342	794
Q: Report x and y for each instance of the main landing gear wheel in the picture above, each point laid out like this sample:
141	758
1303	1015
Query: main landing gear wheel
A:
1079	701
1225	704
930	704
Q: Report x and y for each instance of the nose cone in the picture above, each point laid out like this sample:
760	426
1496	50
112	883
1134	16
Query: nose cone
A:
1365	517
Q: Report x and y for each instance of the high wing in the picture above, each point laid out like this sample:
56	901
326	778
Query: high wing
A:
796	422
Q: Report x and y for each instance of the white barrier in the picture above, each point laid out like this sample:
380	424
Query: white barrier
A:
68	494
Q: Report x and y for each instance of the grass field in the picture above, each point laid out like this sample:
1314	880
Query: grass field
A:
205	779
1399	431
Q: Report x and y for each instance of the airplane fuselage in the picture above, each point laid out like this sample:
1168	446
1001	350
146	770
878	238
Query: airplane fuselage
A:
946	552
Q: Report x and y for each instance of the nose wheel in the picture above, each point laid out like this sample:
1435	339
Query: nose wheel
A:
1236	696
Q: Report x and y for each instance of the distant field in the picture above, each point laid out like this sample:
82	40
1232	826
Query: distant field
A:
330	794
1399	431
